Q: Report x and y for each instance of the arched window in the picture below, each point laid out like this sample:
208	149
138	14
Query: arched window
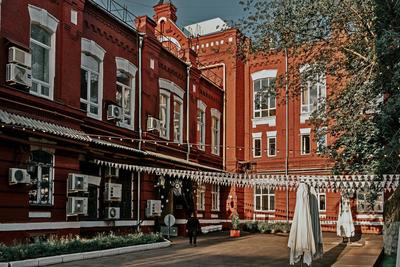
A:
41	169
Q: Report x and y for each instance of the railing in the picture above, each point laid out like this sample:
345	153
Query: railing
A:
118	11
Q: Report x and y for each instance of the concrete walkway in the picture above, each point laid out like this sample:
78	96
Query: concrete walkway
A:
218	249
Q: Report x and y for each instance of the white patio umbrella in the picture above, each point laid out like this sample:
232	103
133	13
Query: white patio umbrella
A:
345	225
301	238
316	224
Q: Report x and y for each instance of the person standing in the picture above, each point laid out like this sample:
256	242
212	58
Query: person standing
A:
193	227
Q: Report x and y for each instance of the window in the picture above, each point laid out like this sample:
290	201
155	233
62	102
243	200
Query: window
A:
256	146
125	94
201	124
178	114
321	141
215	197
313	91
321	201
41	170
201	197
271	144
305	144
368	201
264	199
264	97
42	44
91	78
215	131
164	115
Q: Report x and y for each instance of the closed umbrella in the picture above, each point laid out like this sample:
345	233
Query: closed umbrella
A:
301	238
316	224
345	225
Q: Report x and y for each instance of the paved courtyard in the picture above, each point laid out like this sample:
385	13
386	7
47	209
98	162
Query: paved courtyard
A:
249	250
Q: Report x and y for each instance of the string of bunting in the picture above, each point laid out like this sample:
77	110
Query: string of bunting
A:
323	183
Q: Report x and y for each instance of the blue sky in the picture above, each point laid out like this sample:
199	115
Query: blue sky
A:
191	11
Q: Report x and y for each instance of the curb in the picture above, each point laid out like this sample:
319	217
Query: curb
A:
84	255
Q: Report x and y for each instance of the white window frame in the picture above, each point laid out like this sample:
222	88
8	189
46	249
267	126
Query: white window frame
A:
320	80
305	132
41	17
257	137
319	194
365	209
91	48
215	146
215	197
51	177
201	124
167	95
201	197
180	102
129	68
268	109
268	194
271	135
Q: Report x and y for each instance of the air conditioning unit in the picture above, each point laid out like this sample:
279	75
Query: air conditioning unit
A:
77	206
114	112
153	124
113	192
112	213
153	208
18	176
17	74
19	56
77	183
112	172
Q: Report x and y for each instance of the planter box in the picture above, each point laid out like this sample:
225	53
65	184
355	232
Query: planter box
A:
235	233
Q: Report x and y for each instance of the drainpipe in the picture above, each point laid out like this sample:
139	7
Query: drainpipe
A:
141	36
188	110
224	107
287	133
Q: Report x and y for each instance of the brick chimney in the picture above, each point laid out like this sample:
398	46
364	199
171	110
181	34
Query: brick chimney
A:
166	9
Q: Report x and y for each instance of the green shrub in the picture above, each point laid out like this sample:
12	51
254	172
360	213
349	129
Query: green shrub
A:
67	245
235	221
251	227
263	227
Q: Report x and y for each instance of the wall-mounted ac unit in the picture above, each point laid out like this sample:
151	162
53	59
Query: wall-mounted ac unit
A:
19	56
112	172
153	208
114	112
153	124
112	213
17	74
77	183
113	192
18	176
77	206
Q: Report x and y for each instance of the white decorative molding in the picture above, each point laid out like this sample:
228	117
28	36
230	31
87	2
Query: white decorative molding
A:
304	117
260	216
271	121
271	134
171	86
91	47
126	66
38	214
201	105
264	74
199	215
305	130
257	135
216	113
369	216
214	216
95	180
43	18
172	40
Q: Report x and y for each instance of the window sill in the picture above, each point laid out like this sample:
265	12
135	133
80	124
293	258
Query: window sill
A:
271	121
304	117
126	126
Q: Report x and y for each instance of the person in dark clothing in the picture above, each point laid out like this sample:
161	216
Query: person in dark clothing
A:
192	227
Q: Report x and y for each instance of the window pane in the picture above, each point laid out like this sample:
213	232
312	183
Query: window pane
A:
272	146
94	109
257	85
94	88
265	202
123	78
90	62
304	94
257	147
127	101
305	144
322	202
118	95
84	84
258	190
177	121
40	63
314	96
258	202
271	202
41	35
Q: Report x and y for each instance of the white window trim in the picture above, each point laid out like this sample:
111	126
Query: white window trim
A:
264	74
202	106
217	193
270	136
257	136
271	121
51	189
44	19
319	203
201	189
304	131
168	122
180	101
261	196
216	114
92	48
171	86
128	67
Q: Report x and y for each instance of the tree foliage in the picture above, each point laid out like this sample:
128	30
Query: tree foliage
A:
356	44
